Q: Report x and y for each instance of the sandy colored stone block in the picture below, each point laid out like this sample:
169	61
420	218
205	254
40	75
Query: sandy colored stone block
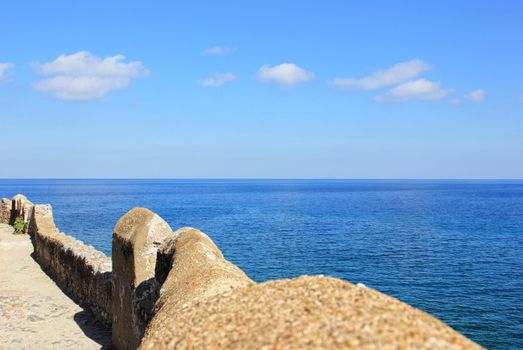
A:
136	238
302	313
5	211
18	202
21	207
198	272
42	220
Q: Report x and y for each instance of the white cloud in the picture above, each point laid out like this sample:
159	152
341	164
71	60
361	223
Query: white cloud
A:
218	50
218	79
421	89
477	95
4	67
286	74
385	77
82	76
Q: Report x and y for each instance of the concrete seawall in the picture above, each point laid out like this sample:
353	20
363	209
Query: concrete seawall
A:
175	290
78	268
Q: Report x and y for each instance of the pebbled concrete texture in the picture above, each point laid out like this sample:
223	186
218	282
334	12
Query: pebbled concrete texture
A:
206	302
34	312
303	313
136	238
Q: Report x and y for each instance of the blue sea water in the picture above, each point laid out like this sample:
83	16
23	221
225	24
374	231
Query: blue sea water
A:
451	248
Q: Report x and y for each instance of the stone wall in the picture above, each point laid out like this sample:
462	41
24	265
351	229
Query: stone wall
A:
18	206
166	290
207	302
80	270
136	238
5	211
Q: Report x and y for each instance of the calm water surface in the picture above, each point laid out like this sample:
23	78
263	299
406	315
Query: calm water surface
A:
451	248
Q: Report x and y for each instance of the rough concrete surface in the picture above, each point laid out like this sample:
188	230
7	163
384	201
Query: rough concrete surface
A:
198	272
303	313
136	238
34	311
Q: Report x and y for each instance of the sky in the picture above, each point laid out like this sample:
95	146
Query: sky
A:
261	89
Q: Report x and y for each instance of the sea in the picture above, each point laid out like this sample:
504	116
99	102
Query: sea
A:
452	248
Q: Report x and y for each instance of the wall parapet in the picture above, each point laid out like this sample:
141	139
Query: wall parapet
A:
5	211
80	270
206	302
136	238
166	290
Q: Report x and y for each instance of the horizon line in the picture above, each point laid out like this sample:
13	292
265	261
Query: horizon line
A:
264	178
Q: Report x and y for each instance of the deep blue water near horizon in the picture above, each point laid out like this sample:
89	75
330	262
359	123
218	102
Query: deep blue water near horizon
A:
452	248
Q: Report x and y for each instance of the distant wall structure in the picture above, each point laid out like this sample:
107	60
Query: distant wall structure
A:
175	290
5	211
23	208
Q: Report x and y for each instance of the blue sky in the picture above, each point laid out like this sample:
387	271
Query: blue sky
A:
272	89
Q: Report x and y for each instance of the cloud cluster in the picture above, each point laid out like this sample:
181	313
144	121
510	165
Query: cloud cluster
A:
409	84
218	50
218	79
477	95
83	76
385	77
421	89
4	67
285	74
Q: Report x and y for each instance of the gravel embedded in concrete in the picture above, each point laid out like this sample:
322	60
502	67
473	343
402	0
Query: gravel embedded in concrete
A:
304	313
